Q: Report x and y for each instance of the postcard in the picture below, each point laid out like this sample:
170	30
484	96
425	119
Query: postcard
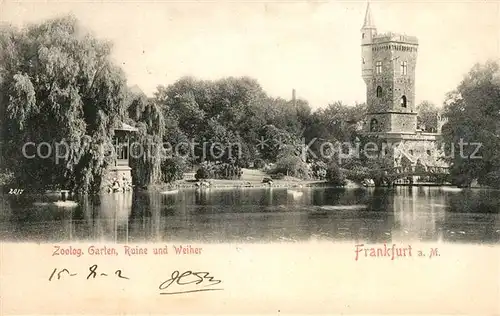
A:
257	158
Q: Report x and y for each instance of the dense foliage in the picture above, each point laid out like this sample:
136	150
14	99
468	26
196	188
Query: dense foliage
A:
472	133
335	175
59	86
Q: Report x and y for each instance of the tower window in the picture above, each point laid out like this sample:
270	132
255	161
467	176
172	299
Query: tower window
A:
378	67
363	60
363	35
379	91
373	125
404	68
403	101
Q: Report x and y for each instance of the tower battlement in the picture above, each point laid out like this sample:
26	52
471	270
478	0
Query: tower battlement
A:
391	37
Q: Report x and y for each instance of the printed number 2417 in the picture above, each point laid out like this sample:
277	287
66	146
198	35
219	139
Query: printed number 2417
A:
16	191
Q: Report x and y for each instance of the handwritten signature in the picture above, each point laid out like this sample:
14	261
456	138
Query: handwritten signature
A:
177	279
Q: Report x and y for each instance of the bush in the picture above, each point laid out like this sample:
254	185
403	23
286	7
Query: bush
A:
267	180
291	166
259	163
319	170
227	171
491	179
172	169
439	178
461	180
335	176
357	174
278	176
202	173
6	177
218	171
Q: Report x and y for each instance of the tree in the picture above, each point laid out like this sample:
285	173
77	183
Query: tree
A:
473	112
146	159
137	102
336	123
229	111
59	87
287	115
427	118
274	141
291	164
369	161
173	169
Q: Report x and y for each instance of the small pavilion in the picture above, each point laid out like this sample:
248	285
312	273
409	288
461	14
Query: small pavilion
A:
119	173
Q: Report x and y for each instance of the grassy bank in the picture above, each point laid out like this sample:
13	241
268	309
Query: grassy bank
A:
251	178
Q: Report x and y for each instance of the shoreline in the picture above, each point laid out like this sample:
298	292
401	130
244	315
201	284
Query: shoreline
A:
251	179
234	184
186	185
283	184
183	185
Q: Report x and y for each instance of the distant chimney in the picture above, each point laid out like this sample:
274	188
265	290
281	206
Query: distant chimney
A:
294	99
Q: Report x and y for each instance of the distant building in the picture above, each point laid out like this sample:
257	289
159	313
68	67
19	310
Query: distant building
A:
388	63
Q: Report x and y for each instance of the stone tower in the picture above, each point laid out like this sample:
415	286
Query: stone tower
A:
388	69
388	64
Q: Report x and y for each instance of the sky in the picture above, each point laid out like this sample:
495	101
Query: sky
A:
312	47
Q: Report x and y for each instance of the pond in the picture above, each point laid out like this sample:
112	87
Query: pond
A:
255	215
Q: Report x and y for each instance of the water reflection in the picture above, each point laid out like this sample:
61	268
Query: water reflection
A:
417	220
257	215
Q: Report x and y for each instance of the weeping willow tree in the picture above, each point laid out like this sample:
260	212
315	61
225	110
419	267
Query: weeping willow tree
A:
154	159
147	155
61	98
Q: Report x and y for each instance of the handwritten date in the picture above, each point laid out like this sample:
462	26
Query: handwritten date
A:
93	273
202	279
